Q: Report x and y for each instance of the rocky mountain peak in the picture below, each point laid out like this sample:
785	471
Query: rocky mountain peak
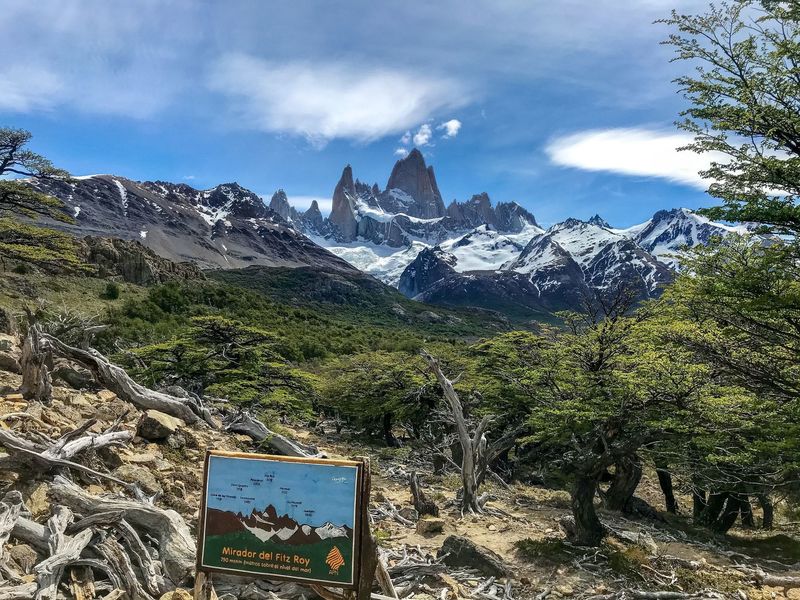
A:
599	221
411	176
280	204
342	216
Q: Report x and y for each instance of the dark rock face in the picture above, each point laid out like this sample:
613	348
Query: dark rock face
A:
513	218
227	226
133	262
411	176
458	551
279	203
342	217
312	219
427	268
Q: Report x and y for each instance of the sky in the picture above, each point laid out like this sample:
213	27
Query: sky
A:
566	107
242	485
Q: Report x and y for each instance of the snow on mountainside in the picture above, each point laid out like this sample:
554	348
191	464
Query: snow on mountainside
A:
227	226
671	230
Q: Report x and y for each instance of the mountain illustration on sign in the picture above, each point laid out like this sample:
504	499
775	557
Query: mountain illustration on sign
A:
334	560
267	525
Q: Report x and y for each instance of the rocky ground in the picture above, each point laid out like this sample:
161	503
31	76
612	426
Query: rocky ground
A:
516	550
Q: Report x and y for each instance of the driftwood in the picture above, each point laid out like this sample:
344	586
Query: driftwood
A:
473	447
245	423
177	549
423	504
20	451
63	552
117	380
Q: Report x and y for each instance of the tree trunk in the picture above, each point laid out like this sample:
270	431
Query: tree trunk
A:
713	509
699	502
768	511
628	473
388	436
37	384
588	529
422	503
473	448
728	515
746	511
665	481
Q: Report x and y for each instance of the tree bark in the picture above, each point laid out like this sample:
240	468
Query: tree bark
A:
699	502
388	435
37	384
473	448
746	511
767	510
422	503
628	473
665	481
589	530
116	379
245	423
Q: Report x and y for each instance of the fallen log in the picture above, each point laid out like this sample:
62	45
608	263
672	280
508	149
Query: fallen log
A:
63	552
177	549
244	423
117	380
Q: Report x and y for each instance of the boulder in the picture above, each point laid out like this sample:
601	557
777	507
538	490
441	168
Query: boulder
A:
430	525
75	377
179	594
9	363
458	551
8	323
141	476
155	425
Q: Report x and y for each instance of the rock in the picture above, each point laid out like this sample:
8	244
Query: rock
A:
179	594
176	441
639	538
9	363
457	551
75	377
155	425
106	395
564	590
8	323
409	513
141	476
24	556
430	526
36	501
492	528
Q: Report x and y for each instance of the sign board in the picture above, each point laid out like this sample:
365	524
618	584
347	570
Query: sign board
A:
281	518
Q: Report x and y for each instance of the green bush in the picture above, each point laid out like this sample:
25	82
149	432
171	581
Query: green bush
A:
112	291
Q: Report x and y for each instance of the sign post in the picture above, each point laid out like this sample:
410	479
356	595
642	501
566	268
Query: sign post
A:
278	517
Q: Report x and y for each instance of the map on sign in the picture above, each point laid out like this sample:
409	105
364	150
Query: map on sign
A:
273	516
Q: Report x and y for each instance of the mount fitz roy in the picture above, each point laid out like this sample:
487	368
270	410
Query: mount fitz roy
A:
470	253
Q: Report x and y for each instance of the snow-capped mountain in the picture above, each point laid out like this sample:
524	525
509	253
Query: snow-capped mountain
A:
227	226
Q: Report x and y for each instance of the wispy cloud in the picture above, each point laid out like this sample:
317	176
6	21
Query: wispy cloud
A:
633	151
302	203
324	101
423	135
401	152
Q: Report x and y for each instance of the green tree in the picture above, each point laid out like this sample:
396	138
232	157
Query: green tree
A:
745	106
380	390
21	241
221	357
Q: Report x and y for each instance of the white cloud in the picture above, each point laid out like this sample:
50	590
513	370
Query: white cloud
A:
423	135
323	101
302	203
451	128
406	139
188	177
633	151
401	152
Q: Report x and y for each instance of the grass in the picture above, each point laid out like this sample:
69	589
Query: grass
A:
553	550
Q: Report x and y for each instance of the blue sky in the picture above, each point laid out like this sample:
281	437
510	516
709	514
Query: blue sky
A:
328	490
566	107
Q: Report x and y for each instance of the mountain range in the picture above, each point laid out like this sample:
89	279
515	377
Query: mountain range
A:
267	525
471	253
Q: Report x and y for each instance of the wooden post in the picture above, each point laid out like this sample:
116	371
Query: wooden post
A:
368	549
204	587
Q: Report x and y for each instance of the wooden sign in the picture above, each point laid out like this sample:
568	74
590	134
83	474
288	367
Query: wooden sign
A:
278	517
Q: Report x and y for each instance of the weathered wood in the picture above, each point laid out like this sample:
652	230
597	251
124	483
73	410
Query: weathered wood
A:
368	548
422	503
10	507
81	583
115	555
36	381
24	591
63	552
245	423
177	547
204	587
117	380
473	447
